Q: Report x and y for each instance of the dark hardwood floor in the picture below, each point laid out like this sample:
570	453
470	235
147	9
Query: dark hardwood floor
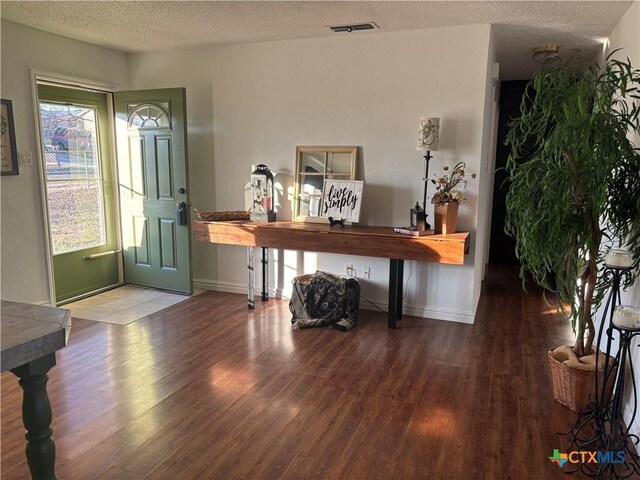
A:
207	389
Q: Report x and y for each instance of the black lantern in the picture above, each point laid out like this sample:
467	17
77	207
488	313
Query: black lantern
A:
262	195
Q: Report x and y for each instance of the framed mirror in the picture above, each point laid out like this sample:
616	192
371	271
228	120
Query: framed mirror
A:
313	166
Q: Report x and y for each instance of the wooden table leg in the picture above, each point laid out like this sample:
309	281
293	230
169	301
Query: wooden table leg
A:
36	416
396	272
251	304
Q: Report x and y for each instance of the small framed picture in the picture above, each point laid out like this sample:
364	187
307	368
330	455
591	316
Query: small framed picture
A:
8	141
342	200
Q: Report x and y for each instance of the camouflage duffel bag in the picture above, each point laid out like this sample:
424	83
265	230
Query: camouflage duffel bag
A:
322	299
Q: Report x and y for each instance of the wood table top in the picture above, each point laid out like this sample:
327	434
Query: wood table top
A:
373	241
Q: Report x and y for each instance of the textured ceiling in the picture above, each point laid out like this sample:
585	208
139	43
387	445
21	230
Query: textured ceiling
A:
144	26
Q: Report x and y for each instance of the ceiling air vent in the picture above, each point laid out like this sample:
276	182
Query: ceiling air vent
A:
352	28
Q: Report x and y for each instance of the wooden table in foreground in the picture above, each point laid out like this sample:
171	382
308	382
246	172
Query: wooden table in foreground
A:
30	336
365	241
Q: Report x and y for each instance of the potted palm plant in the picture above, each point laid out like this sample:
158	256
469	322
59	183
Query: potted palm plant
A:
574	174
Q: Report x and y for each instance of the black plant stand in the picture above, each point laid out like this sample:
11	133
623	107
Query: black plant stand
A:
600	427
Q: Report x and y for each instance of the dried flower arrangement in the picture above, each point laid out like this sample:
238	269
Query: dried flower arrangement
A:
446	191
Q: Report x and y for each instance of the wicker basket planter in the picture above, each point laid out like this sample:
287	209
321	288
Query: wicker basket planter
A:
224	216
575	387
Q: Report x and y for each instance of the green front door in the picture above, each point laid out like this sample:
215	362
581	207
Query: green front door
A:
153	180
79	190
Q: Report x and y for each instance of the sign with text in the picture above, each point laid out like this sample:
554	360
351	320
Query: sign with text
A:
342	199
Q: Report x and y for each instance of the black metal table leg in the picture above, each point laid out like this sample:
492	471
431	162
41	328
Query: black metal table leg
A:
265	274
250	284
399	288
396	268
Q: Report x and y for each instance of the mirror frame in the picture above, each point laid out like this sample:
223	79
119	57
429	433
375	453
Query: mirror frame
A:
300	151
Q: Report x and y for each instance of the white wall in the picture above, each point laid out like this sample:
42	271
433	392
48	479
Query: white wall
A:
23	257
261	100
626	35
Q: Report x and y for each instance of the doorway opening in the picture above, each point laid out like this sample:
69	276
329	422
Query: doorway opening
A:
502	247
109	221
78	183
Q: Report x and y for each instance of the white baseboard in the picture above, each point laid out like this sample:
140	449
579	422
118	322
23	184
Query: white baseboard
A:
446	314
216	286
232	287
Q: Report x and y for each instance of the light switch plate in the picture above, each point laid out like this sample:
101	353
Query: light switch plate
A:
26	159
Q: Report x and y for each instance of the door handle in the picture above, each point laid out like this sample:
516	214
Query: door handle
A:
103	254
181	213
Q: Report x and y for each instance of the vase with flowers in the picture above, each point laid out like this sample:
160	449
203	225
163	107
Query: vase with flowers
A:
449	196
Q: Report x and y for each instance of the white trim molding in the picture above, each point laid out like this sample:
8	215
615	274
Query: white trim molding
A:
39	76
445	314
216	286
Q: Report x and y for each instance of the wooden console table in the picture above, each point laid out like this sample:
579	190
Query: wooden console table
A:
359	240
30	336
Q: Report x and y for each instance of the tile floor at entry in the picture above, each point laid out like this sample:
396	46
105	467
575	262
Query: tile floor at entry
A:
125	304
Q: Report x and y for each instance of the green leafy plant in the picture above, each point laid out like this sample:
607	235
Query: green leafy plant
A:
575	182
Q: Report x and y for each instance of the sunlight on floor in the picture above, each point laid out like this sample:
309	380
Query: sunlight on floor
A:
441	423
124	305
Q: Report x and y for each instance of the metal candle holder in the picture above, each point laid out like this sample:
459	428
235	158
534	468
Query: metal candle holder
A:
600	427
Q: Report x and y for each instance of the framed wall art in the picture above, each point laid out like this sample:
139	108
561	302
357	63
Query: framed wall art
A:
342	200
315	165
8	151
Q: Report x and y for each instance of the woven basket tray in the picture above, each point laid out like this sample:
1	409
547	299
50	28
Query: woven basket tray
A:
222	216
575	388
